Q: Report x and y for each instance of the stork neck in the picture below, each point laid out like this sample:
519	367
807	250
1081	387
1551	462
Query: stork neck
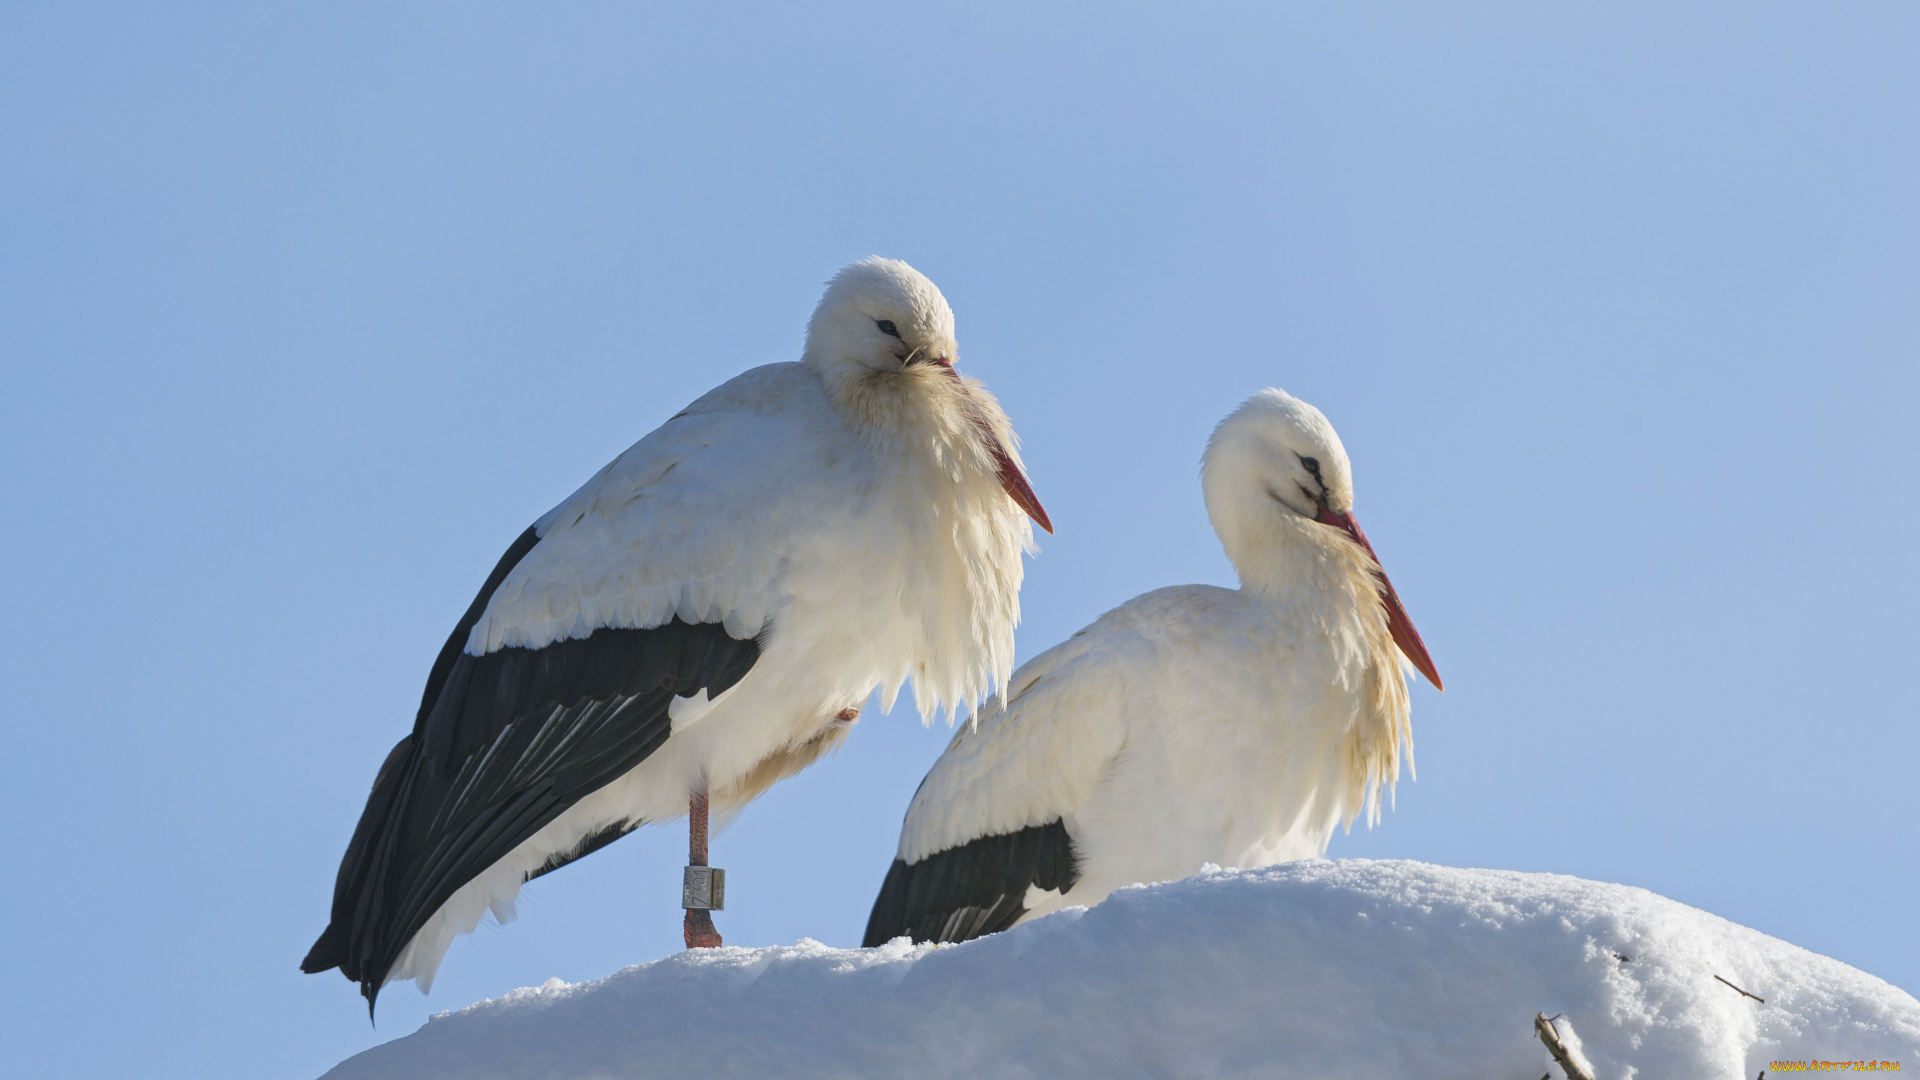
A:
1290	560
916	417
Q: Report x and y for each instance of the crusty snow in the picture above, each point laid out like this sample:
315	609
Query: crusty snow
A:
1351	968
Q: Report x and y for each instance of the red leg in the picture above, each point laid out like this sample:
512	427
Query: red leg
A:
699	929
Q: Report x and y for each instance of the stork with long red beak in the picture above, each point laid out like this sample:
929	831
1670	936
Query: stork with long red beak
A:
704	617
1189	725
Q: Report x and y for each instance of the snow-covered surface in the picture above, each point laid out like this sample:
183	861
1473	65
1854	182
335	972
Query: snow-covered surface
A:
1323	969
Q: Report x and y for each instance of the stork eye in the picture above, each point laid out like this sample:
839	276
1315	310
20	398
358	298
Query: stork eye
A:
886	327
1312	464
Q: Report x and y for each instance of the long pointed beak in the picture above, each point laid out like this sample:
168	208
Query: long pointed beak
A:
1014	483
1398	622
1012	480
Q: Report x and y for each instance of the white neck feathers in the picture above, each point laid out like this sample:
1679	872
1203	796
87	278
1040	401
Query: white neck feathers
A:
961	537
1323	584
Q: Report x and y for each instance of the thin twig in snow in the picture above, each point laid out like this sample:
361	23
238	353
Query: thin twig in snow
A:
1755	997
1550	1035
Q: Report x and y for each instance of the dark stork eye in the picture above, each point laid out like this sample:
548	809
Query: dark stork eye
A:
1312	465
886	327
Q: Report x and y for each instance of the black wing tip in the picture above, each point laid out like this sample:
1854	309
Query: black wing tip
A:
974	889
680	657
328	952
889	917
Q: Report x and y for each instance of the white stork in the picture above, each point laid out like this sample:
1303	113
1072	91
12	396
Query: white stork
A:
703	618
1192	724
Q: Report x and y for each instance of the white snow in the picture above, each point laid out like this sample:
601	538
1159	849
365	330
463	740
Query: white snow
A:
1351	968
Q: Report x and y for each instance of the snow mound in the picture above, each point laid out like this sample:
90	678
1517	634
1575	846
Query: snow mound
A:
1351	968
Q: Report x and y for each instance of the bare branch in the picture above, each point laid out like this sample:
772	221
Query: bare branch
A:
1755	997
1551	1036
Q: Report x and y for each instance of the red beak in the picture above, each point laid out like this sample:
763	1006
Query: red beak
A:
1012	480
1398	623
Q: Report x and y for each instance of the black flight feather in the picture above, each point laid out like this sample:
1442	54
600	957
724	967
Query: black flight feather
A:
504	744
977	888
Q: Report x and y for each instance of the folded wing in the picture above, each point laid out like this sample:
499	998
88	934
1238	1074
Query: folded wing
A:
657	579
990	820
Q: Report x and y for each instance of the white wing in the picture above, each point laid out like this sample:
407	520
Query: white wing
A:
994	828
1034	759
693	520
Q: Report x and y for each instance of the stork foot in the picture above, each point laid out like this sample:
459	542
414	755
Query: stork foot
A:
699	930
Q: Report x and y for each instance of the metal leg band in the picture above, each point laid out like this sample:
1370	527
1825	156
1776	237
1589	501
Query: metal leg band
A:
704	889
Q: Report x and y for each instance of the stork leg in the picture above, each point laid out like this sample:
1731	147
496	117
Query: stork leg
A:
699	924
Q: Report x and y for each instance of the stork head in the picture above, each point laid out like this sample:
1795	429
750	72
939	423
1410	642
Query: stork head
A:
880	315
882	341
1277	444
1277	480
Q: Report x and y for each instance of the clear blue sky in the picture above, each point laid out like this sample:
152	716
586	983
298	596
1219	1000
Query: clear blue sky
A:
306	313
